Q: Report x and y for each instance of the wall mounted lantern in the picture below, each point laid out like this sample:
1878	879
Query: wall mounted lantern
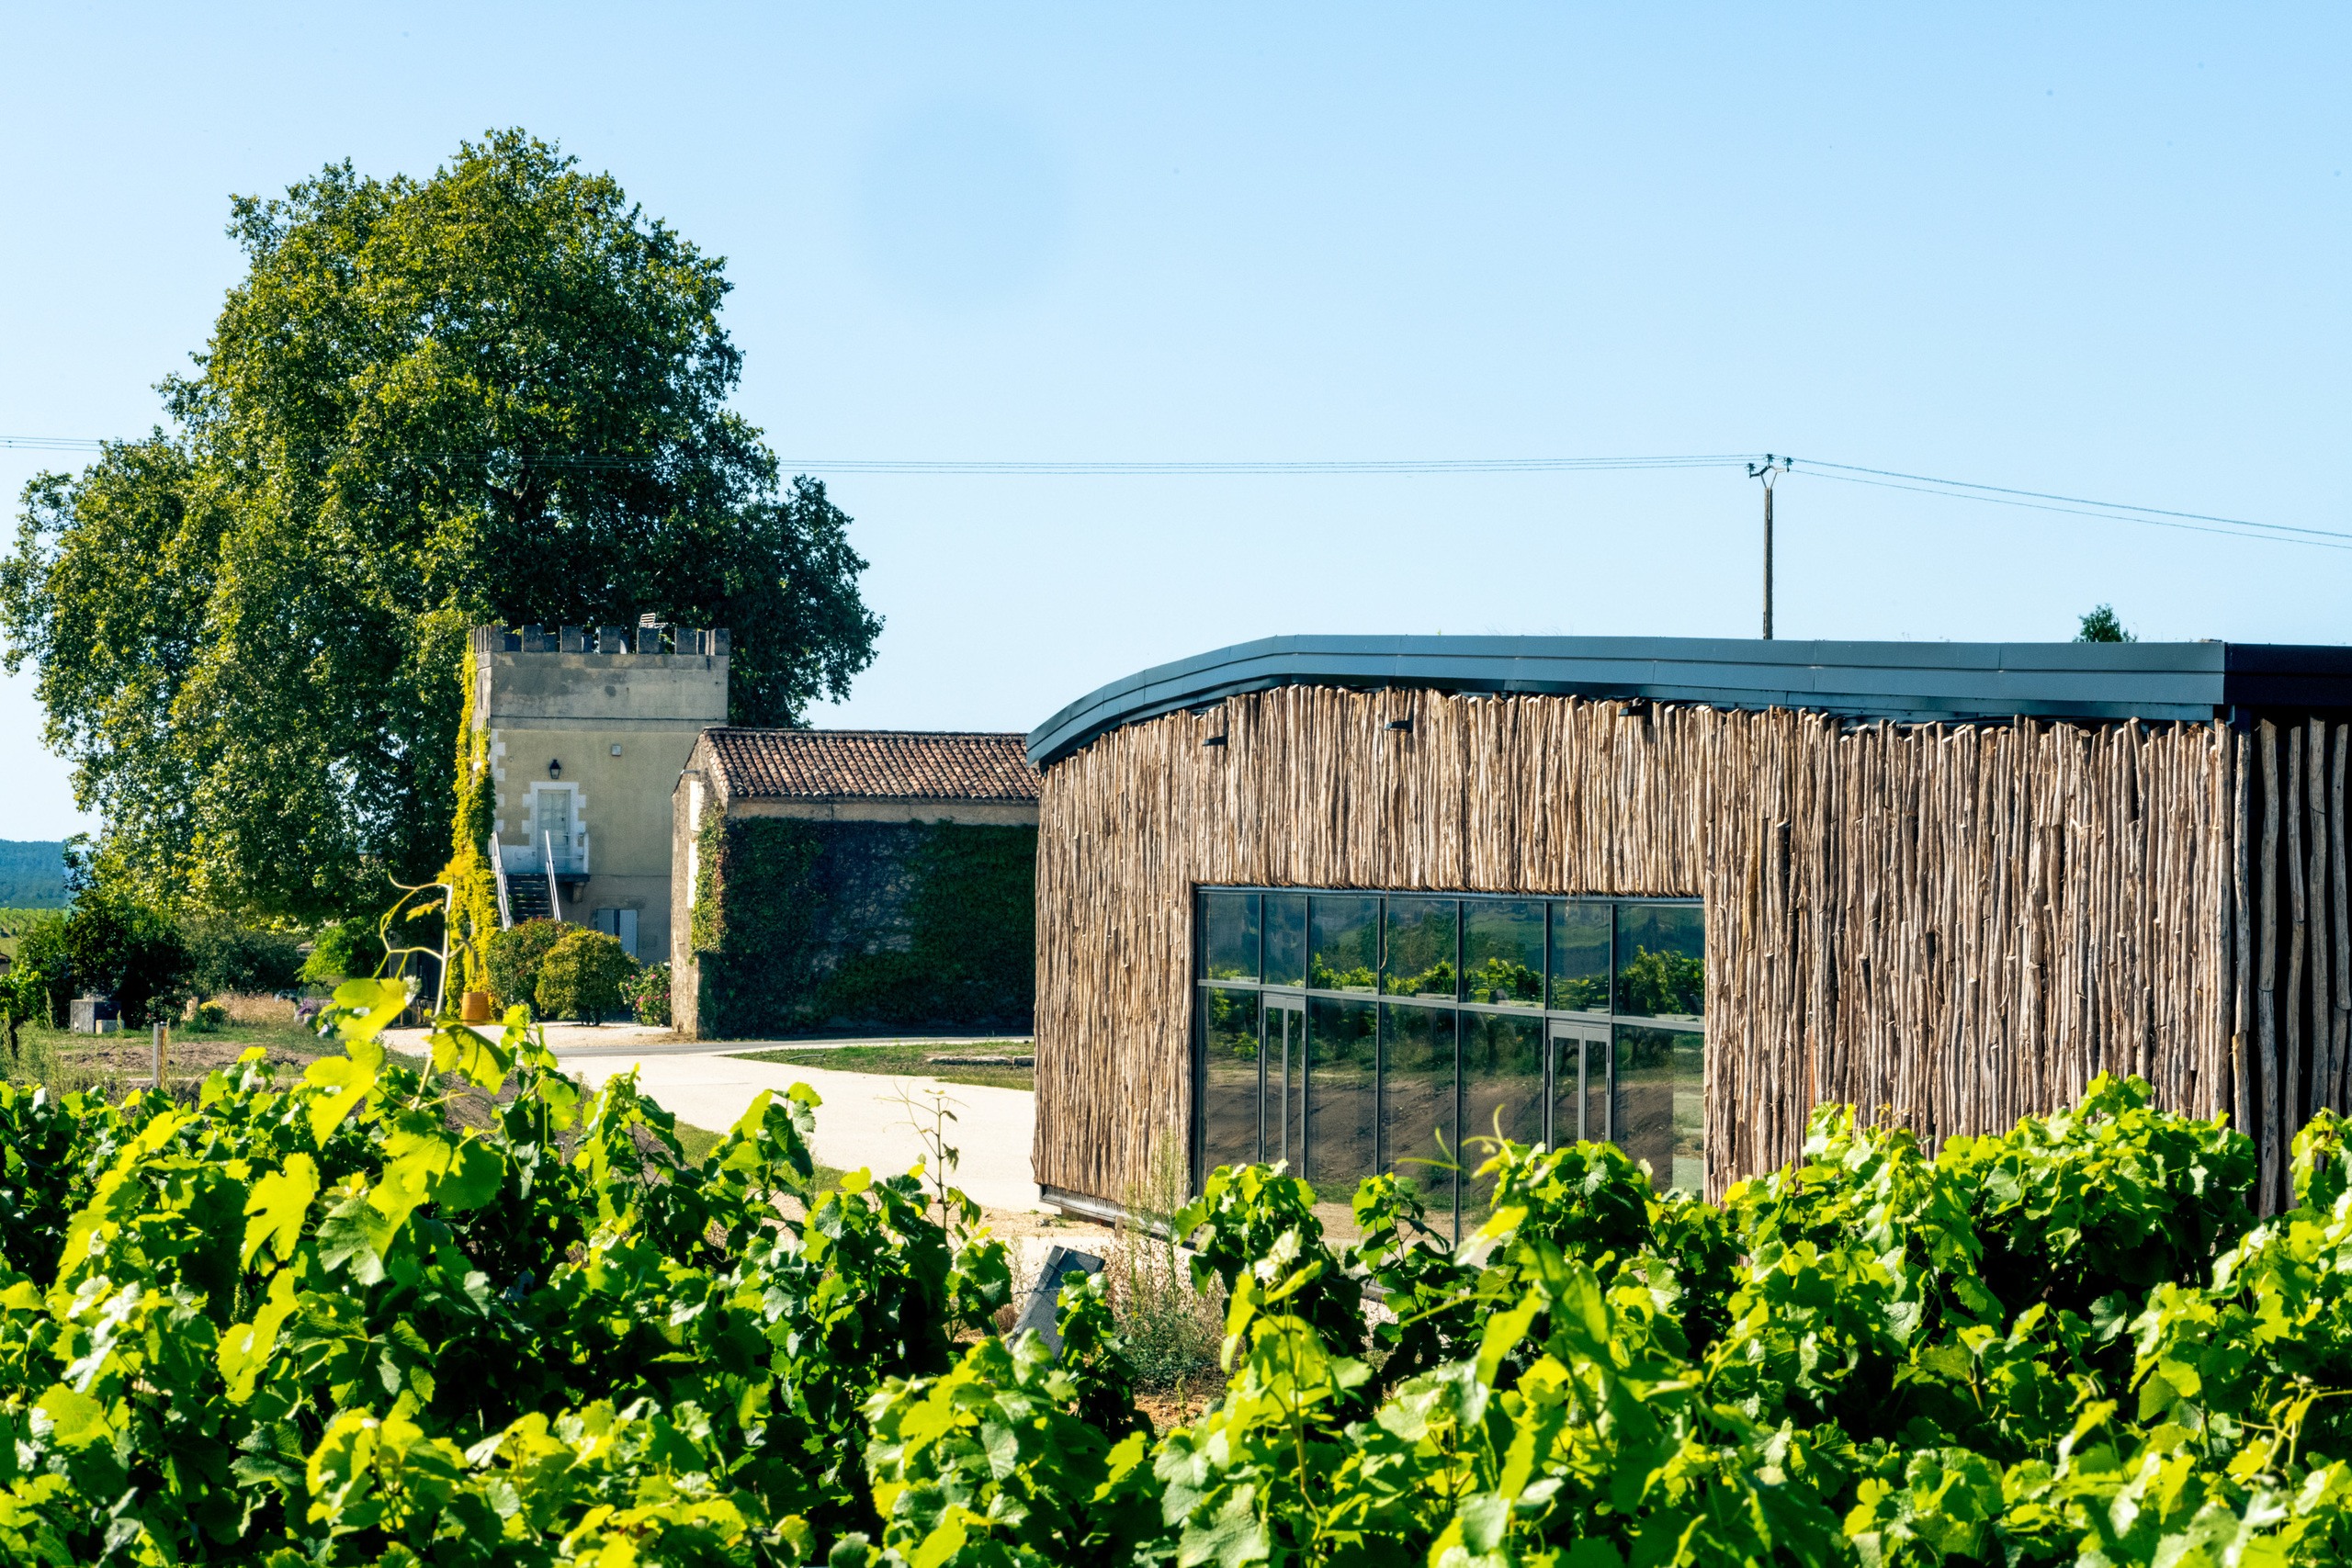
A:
555	767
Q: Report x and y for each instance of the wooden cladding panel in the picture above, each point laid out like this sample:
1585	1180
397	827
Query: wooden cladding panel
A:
1949	926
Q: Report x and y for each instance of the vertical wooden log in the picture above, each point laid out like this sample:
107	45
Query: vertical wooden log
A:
2241	983
2322	994
2340	912
2298	934
2266	971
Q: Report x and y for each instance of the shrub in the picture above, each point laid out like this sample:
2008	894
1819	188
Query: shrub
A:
43	970
344	950
117	946
558	1339
649	995
230	959
514	955
582	975
397	1332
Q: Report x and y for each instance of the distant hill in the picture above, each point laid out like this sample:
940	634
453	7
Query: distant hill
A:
32	874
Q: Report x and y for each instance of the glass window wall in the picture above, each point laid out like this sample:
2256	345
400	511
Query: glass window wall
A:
1541	1019
1347	943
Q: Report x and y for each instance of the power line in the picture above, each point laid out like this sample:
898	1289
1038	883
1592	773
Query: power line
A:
1845	473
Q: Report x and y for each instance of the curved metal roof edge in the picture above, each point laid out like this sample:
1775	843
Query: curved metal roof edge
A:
1927	681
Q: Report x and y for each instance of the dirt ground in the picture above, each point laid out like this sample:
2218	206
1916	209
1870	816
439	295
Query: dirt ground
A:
128	1058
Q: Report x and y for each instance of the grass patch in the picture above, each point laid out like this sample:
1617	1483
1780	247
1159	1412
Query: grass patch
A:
911	1058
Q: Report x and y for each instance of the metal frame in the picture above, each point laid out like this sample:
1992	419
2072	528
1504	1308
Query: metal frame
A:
1301	997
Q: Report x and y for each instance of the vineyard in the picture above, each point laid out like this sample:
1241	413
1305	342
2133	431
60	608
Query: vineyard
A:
320	1323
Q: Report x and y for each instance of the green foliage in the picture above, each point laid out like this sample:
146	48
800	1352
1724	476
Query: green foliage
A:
495	393
2070	1344
113	945
229	958
313	1323
42	973
781	952
469	874
648	995
2101	625
583	976
316	1325
345	949
514	956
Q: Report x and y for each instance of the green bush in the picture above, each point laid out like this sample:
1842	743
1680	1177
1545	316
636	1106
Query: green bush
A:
113	946
228	958
584	977
514	956
44	977
348	950
310	1323
313	1323
649	995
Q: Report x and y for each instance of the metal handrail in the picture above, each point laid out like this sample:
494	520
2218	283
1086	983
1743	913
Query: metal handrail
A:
555	895
498	868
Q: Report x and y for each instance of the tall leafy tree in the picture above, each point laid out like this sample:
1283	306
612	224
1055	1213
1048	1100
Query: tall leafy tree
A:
497	394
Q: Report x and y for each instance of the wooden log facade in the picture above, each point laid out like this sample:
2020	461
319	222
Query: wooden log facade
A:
1948	925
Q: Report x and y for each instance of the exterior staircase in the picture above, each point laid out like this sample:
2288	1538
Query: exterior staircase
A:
526	899
525	895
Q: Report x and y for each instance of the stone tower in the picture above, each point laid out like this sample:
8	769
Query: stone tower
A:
588	727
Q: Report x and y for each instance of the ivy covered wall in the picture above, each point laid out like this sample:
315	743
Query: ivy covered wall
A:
803	926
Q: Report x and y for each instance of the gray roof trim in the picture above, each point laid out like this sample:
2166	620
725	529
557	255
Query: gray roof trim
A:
1921	681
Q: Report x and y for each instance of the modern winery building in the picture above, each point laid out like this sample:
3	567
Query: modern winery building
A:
1353	901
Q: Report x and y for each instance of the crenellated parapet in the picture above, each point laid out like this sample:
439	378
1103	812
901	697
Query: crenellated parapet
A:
646	637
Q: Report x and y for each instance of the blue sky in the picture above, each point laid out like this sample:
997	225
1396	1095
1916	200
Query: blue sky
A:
2098	251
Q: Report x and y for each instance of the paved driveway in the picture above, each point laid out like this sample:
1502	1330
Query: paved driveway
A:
865	1120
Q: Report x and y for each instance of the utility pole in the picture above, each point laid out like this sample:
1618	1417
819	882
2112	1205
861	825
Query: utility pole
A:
1771	468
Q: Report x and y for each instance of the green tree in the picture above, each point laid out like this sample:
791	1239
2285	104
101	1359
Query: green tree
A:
584	977
117	946
228	958
2100	625
495	394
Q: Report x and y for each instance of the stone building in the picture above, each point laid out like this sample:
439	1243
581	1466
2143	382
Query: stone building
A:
852	879
587	728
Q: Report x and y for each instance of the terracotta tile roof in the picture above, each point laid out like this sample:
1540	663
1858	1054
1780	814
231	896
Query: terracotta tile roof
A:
882	764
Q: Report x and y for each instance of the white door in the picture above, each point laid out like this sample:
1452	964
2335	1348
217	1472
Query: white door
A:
553	828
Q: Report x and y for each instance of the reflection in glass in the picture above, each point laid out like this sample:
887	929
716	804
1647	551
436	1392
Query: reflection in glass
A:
1661	961
1347	943
1502	952
1229	936
1285	915
1580	957
1502	1090
1230	1090
1420	947
1341	1105
1580	1084
1661	1118
1285	1083
1418	1103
